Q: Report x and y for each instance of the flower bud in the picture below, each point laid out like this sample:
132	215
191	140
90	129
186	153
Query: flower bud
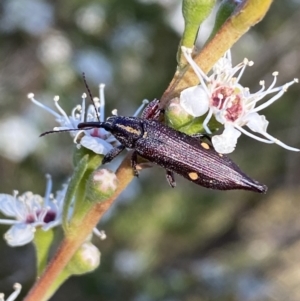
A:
176	115
85	260
101	185
194	13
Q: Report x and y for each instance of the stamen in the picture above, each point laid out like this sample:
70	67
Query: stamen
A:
14	295
228	102
31	97
282	90
246	63
97	102
96	114
43	214
262	83
275	74
140	108
82	115
206	120
101	234
201	75
232	71
74	113
63	113
251	135
8	222
275	140
48	187
102	102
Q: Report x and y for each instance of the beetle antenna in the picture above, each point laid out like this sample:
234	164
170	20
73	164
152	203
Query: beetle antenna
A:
59	131
90	94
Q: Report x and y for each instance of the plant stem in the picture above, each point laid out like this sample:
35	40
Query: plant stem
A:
249	13
71	243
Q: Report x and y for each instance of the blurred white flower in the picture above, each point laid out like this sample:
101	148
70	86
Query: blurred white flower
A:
28	211
221	95
54	49
32	16
14	295
91	18
18	138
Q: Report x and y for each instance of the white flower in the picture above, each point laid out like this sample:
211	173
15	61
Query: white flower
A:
96	139
28	211
221	95
14	295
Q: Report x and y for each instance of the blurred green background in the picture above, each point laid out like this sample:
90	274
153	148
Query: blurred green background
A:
187	243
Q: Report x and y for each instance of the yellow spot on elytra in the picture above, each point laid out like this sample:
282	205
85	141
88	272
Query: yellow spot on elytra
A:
193	176
205	145
129	129
145	135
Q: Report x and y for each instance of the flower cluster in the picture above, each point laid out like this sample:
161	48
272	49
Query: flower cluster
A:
97	140
222	96
28	211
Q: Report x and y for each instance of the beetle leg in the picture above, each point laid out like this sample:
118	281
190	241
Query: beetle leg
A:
152	110
170	178
134	163
208	137
112	154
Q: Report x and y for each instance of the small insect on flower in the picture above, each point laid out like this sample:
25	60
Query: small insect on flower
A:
97	140
177	152
222	96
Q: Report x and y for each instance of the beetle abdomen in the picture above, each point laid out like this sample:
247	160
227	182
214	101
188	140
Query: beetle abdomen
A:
192	158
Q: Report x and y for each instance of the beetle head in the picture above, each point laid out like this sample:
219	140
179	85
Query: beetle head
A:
126	129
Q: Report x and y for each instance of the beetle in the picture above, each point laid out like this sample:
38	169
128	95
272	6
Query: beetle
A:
188	156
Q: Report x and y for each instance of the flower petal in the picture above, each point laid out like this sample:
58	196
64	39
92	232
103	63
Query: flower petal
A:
195	101
257	123
19	234
97	145
7	205
226	142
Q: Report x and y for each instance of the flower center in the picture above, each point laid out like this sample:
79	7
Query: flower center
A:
49	217
229	101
